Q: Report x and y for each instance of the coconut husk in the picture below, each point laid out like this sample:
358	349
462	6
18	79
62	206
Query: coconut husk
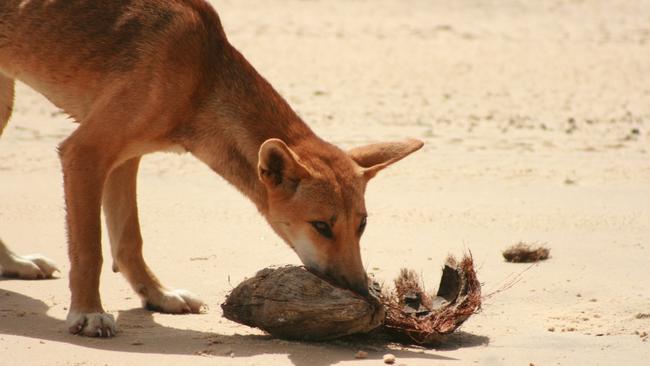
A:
526	253
291	302
412	315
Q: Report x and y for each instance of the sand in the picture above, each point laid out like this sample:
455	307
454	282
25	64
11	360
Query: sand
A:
536	119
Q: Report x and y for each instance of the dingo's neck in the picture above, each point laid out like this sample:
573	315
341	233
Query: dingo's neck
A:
241	111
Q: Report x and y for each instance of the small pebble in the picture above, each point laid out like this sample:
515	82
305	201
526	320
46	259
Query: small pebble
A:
389	358
551	329
361	355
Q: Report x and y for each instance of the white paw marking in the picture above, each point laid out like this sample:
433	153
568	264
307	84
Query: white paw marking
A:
176	302
91	324
29	267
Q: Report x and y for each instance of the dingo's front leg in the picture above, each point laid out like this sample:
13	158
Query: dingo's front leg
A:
85	164
28	267
120	209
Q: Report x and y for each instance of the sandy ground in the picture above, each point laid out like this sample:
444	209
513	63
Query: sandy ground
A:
536	118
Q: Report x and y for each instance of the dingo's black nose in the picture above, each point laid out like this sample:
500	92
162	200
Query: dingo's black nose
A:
362	290
360	287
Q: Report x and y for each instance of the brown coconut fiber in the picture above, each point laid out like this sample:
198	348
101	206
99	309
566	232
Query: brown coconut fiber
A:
414	315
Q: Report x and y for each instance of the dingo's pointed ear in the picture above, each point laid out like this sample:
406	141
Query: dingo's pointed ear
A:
278	166
375	157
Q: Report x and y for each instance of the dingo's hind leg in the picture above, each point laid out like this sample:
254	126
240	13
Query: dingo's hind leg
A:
121	212
28	267
6	100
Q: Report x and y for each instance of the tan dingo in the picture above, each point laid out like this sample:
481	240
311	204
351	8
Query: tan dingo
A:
148	75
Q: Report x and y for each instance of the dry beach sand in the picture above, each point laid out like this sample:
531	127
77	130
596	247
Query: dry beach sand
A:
536	119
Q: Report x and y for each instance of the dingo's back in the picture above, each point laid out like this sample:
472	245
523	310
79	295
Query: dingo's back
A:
70	50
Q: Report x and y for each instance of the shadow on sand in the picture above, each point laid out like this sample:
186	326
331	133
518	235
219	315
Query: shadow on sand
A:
139	333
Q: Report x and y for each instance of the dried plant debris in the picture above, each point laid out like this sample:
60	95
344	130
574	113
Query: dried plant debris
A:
291	302
526	253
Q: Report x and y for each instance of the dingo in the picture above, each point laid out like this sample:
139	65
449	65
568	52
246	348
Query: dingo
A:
148	75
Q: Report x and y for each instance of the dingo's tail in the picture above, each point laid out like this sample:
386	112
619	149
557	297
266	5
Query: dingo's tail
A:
6	100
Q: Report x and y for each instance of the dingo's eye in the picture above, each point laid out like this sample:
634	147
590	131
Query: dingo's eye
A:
323	228
362	225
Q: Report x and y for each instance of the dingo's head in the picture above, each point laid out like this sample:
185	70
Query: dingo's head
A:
316	202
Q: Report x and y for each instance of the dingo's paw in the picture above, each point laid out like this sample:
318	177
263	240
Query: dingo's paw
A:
29	267
91	324
176	302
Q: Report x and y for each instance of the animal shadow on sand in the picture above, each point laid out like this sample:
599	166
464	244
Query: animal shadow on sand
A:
139	333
